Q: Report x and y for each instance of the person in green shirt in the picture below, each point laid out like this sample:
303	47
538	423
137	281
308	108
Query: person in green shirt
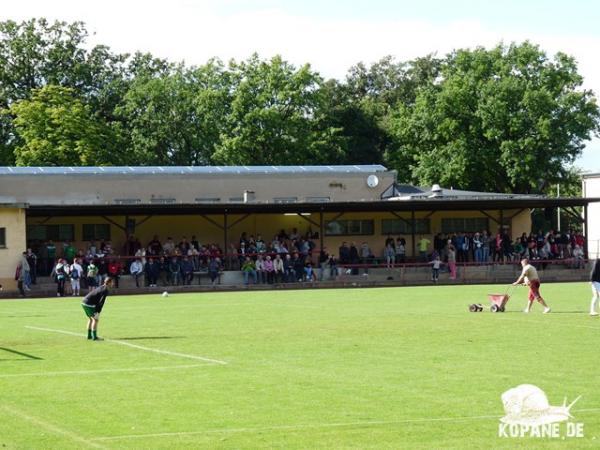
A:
50	256
249	268
69	251
423	247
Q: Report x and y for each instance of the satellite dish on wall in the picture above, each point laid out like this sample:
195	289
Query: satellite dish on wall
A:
372	181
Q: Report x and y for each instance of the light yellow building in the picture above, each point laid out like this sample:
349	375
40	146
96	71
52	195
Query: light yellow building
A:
217	204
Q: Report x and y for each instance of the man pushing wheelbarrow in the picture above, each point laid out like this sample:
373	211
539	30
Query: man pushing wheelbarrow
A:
529	277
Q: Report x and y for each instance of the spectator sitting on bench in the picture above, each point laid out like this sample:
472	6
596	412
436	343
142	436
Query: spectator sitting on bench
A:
248	268
187	270
136	269
214	270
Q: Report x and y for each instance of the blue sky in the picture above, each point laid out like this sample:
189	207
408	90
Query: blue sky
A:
333	35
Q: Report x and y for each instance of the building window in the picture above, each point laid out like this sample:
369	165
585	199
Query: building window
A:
51	232
127	201
96	232
317	199
285	199
349	227
399	226
468	225
208	200
162	201
2	237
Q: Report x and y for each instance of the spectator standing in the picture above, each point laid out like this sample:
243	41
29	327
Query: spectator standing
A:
154	246
365	257
400	250
354	258
451	251
344	252
333	269
390	254
435	269
25	272
20	279
478	245
60	273
32	260
322	263
69	252
92	275
578	262
298	267
194	242
423	248
76	273
168	247
51	256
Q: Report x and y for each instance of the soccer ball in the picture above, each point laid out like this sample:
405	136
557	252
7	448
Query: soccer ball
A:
165	294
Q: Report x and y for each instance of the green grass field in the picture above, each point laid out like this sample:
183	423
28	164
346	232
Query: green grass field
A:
356	368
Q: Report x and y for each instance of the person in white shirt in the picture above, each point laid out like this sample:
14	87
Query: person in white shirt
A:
595	281
278	268
435	269
529	277
137	270
76	272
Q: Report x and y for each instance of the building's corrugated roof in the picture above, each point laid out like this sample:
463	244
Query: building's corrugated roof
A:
187	170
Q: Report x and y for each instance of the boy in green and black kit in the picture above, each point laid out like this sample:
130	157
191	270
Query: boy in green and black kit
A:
92	304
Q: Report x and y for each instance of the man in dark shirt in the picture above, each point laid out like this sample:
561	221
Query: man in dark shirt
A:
92	304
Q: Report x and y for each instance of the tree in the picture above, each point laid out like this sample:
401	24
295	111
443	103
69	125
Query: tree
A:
174	117
507	119
362	104
58	129
275	116
35	53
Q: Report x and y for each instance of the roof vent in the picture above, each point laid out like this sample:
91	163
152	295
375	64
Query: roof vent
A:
436	191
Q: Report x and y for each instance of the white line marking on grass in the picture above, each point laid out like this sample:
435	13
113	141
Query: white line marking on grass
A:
128	344
297	427
80	372
50	427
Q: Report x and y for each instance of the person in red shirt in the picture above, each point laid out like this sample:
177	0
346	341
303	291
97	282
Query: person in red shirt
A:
114	271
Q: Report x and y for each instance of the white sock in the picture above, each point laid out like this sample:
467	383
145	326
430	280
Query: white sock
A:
594	304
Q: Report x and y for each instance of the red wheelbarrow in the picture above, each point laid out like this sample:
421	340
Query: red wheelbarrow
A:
497	302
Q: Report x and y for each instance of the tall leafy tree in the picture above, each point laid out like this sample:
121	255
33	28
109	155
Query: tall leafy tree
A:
508	119
36	53
361	105
275	116
58	129
175	115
